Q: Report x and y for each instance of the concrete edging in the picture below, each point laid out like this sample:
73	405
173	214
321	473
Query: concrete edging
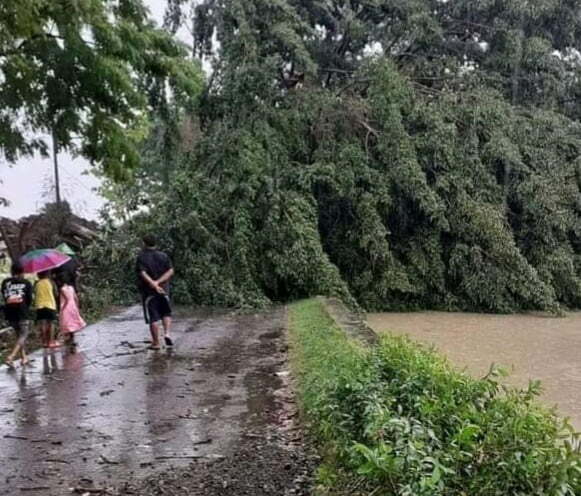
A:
350	322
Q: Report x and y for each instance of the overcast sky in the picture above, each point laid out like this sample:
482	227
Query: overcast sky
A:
29	183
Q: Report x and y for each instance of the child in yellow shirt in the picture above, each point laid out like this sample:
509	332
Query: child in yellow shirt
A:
45	306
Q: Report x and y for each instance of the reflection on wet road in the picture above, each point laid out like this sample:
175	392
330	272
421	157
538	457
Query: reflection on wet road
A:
115	410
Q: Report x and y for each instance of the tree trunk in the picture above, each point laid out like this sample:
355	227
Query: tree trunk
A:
56	167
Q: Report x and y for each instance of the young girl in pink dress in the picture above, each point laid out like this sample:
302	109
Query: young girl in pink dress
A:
69	317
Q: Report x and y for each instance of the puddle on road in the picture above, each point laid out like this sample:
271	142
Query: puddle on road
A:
529	346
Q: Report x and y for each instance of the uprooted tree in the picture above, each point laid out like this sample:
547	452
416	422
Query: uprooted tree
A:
399	154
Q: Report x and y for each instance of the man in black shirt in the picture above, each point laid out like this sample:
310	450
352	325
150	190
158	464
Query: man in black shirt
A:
17	295
154	271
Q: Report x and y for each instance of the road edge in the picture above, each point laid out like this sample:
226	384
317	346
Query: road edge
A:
351	323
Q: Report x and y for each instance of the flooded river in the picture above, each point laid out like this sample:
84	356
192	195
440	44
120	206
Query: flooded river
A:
529	346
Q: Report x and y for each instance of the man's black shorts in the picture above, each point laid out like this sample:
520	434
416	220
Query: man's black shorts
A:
156	308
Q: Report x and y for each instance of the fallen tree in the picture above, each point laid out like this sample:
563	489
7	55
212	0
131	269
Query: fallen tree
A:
52	226
424	178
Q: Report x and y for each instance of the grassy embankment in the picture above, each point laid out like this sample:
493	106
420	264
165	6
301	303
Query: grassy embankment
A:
399	420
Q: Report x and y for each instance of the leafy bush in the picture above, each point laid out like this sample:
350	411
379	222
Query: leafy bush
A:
398	419
109	278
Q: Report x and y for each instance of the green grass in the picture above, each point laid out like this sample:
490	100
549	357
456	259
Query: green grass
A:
399	420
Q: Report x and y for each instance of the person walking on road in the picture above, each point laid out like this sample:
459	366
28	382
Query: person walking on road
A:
154	271
17	294
45	306
70	319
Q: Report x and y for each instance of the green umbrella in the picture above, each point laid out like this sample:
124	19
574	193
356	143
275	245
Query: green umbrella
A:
66	249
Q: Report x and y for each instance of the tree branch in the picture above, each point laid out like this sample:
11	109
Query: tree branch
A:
23	43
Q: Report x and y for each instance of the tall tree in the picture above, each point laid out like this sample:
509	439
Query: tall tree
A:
530	49
86	72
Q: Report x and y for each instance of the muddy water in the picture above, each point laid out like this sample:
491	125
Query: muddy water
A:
530	346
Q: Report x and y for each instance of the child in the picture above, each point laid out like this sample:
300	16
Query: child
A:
69	317
45	305
17	294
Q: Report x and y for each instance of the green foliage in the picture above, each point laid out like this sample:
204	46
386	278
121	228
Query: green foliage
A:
399	420
86	72
439	170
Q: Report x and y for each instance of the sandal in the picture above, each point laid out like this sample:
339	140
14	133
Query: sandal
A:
9	363
155	348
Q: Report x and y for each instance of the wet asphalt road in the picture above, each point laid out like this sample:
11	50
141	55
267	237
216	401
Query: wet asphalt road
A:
114	411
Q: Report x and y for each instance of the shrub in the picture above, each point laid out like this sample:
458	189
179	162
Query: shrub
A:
398	419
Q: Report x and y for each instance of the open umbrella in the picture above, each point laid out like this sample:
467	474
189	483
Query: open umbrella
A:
41	260
66	249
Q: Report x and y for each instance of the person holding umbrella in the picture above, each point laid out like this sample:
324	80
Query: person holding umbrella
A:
45	306
42	262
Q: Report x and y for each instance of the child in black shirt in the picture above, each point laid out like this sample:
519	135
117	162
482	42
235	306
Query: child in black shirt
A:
17	295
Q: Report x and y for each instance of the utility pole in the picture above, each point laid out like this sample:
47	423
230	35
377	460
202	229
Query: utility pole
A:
56	166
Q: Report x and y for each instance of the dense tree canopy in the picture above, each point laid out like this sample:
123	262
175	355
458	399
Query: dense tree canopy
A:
399	154
88	72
